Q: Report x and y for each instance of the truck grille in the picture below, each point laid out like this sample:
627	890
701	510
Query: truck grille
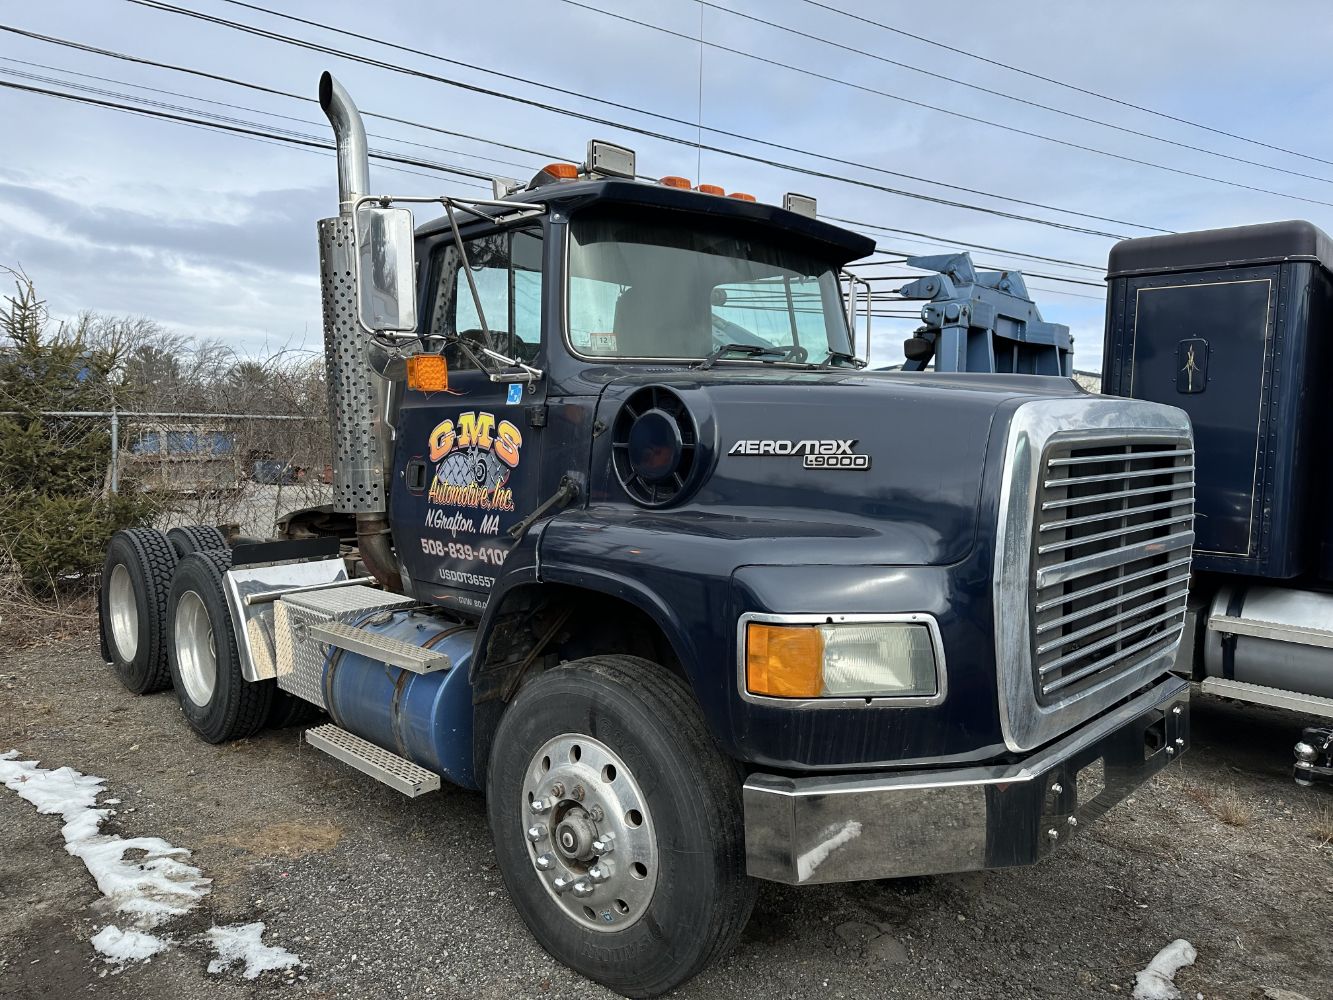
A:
1110	558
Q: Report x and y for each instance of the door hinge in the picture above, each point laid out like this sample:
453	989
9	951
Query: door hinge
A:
536	415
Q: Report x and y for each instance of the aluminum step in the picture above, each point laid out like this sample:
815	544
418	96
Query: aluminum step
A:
1258	694
1300	635
394	652
390	769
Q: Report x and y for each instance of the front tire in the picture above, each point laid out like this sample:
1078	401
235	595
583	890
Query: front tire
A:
623	851
217	701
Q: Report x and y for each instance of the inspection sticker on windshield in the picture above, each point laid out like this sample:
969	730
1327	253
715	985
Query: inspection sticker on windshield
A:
515	393
823	454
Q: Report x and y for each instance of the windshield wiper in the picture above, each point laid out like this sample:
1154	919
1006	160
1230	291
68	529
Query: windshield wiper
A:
752	350
851	359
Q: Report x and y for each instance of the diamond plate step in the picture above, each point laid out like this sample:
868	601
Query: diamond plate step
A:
394	652
1258	694
399	774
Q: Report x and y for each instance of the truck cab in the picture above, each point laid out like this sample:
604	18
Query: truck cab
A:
646	555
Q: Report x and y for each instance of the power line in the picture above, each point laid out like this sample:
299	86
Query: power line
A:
1011	97
299	97
260	88
291	138
1064	84
638	130
942	110
962	243
237	107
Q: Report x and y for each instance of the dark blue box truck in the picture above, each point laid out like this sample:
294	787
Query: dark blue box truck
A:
1235	327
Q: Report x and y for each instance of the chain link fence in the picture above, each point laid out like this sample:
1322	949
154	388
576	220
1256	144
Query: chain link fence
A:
247	470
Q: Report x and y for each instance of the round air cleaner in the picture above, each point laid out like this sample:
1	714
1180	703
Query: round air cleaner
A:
653	446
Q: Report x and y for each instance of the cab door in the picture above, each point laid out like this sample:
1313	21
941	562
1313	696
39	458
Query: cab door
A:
469	457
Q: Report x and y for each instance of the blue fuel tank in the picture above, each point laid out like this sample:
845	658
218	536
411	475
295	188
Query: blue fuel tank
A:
426	718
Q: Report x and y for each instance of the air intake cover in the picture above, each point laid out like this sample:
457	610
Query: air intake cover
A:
654	446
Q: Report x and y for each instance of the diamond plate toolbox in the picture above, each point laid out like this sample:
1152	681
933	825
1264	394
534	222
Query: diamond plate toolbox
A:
300	659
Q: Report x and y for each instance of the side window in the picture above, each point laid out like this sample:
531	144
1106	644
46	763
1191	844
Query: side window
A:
506	269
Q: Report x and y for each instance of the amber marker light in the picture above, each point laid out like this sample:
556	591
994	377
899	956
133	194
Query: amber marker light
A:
673	181
710	189
563	171
741	196
427	373
782	661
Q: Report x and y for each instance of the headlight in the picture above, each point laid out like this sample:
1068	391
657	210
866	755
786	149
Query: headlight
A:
842	660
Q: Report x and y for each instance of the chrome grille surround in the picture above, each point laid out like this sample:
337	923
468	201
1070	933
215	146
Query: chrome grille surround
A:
1092	558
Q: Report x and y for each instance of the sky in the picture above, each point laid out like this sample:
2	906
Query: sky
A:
213	235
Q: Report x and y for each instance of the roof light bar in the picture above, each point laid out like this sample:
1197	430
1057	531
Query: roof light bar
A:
801	204
609	160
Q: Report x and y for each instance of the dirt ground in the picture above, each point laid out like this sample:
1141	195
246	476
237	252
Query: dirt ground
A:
385	897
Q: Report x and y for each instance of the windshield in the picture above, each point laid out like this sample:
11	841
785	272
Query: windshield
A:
647	288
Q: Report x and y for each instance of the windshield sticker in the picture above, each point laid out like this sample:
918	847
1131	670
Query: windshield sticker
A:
820	454
515	394
602	343
474	457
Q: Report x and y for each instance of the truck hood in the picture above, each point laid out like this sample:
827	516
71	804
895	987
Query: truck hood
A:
868	468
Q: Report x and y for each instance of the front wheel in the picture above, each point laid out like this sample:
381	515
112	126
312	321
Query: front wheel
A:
623	851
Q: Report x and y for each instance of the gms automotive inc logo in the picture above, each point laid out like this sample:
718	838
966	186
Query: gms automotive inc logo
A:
815	454
474	457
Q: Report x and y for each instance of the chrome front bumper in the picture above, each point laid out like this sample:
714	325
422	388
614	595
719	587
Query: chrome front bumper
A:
867	826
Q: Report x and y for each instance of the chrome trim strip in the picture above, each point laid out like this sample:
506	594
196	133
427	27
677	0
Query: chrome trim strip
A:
1035	425
1078	595
1076	522
876	701
1127	457
1118	495
1166	584
1102	536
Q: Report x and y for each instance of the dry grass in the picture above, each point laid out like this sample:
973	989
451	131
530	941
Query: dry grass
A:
26	621
1233	809
292	839
1322	828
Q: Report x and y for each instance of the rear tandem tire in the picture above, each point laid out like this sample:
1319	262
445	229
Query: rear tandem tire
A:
136	578
196	538
217	701
674	896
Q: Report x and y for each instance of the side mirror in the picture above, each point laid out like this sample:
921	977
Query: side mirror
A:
386	270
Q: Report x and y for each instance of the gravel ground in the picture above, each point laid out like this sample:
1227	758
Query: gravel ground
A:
384	897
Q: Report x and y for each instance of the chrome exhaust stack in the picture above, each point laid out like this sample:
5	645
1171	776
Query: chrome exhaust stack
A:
358	397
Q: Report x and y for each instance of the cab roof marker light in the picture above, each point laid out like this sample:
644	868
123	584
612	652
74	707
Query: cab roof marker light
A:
801	204
606	159
553	173
741	196
710	189
672	181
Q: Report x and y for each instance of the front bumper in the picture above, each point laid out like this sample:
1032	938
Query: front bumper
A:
867	826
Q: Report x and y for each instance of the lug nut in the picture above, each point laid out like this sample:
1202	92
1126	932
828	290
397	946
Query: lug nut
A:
1180	741
600	872
595	813
544	862
536	833
558	790
1053	834
563	883
1073	821
540	805
604	844
1057	788
1177	710
582	889
1170	751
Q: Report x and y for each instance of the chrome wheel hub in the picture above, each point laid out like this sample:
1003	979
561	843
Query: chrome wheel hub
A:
196	649
590	836
123	612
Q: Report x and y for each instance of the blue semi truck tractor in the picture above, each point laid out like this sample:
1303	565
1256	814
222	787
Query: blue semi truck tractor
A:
625	538
1232	326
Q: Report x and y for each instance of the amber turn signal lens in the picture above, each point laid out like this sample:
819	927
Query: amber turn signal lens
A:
564	171
783	661
741	196
427	373
673	181
710	189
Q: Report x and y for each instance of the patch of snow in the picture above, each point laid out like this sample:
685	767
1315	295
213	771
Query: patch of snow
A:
121	946
1157	981
243	943
834	837
152	888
